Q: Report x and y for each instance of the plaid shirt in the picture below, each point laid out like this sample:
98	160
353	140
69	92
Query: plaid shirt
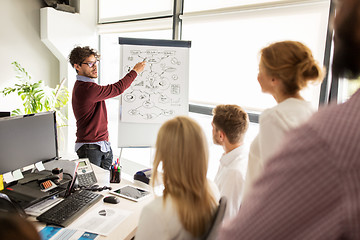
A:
310	189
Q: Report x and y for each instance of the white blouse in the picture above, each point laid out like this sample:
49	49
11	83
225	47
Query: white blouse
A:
274	123
161	222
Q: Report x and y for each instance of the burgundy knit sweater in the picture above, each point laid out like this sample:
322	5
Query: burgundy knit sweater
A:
90	109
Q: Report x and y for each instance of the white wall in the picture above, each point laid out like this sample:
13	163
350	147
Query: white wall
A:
61	32
43	49
20	41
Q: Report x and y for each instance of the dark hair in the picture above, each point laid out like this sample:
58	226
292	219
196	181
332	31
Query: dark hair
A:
232	120
12	226
346	59
291	62
79	54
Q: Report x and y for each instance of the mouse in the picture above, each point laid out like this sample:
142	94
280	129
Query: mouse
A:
111	199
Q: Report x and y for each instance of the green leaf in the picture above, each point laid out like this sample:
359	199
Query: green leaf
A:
35	95
16	112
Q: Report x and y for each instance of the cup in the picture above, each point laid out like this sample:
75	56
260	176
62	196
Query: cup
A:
115	175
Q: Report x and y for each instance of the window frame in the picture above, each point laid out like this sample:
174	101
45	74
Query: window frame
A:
129	18
329	87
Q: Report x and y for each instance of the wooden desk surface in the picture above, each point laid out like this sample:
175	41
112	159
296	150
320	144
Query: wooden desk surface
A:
127	228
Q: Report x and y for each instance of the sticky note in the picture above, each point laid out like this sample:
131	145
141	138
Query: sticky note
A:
1	182
39	166
17	174
8	177
28	167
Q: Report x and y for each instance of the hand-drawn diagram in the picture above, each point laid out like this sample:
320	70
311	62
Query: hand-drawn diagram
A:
160	92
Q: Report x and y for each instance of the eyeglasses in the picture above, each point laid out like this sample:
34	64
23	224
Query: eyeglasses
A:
91	64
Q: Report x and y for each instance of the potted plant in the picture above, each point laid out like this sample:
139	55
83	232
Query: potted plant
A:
37	97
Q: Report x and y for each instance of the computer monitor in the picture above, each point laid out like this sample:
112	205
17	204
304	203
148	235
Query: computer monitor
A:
5	114
27	139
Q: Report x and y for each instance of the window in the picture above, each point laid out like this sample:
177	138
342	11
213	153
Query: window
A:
226	39
122	10
225	47
205	5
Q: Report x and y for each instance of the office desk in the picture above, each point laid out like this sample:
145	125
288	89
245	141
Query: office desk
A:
127	228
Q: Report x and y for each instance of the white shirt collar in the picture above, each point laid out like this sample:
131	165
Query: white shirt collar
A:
84	79
228	158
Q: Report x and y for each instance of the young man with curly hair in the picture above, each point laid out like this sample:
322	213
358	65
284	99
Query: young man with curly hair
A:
88	102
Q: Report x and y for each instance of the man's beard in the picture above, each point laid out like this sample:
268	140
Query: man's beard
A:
90	73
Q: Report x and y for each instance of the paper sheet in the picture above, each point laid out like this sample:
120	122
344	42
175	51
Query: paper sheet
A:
102	220
17	174
30	167
8	177
39	166
57	233
160	92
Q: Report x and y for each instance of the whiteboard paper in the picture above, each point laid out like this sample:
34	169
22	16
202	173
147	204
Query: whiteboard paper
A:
159	93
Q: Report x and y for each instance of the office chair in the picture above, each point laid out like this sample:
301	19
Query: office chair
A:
212	233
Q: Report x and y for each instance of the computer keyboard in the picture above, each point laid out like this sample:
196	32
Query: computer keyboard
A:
70	208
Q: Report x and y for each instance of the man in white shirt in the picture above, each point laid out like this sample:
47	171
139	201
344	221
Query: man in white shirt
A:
230	123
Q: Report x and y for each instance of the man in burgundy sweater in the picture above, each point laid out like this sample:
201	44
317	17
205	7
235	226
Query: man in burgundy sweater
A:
88	102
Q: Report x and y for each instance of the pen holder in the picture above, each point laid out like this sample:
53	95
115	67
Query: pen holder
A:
115	175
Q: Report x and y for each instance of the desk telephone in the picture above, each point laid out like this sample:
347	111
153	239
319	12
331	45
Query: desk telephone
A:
85	173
